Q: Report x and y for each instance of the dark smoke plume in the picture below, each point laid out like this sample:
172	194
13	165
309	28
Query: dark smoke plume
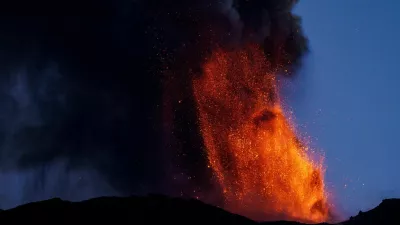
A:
85	82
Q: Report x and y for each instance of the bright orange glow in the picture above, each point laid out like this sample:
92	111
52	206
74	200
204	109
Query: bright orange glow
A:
262	168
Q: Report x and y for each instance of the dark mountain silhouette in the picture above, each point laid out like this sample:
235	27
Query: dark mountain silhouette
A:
388	212
158	209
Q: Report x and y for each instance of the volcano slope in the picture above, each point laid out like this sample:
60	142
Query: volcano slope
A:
158	209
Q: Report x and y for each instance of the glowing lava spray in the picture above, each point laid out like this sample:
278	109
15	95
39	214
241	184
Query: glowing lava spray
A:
263	169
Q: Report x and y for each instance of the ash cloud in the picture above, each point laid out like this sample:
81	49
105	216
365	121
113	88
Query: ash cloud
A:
84	83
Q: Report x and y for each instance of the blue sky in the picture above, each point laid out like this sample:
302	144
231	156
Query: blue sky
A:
347	96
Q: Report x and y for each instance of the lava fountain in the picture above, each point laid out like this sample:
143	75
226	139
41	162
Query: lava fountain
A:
263	169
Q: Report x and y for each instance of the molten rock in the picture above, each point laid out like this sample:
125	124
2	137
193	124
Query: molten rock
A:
263	169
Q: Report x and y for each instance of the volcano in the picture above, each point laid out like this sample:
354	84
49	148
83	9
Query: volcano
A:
174	97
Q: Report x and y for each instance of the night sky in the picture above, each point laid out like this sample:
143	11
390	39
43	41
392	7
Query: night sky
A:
347	97
84	111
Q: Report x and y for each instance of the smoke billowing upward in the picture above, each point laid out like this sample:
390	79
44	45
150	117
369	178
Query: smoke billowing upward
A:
85	83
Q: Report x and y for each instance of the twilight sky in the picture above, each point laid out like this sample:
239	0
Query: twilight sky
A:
347	98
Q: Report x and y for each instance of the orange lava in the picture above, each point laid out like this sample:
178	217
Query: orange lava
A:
262	168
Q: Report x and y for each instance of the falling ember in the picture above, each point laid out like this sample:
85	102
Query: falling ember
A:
261	166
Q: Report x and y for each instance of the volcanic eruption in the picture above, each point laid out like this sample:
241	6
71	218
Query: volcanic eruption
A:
261	166
107	108
263	169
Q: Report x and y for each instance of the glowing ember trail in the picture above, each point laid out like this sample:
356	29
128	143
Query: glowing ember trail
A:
262	168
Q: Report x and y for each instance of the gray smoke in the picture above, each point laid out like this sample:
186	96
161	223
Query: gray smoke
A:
81	95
